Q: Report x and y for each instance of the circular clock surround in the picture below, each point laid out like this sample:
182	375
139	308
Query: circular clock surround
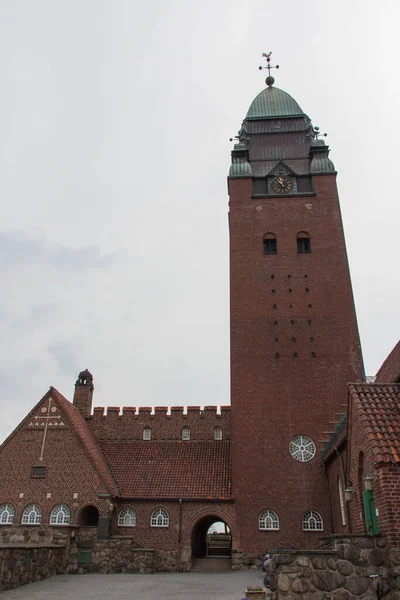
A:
281	185
302	448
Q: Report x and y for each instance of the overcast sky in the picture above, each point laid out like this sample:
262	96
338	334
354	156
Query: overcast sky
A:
115	118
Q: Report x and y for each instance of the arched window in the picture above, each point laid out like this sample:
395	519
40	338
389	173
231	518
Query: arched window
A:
186	433
127	518
312	521
341	501
303	243
60	515
270	245
147	433
218	433
32	515
268	520
6	514
159	518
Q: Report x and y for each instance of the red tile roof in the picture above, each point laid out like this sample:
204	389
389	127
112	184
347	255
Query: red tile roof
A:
379	408
87	439
390	369
171	469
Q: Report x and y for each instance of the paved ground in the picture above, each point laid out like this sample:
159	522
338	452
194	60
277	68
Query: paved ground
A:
161	586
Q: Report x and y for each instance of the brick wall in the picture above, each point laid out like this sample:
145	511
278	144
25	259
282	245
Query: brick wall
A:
128	423
284	307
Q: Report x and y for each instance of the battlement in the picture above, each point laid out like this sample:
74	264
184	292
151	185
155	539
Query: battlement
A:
166	423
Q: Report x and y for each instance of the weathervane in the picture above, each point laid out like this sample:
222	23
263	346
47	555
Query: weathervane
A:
270	80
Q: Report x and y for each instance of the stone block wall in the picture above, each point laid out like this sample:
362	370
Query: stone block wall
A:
27	563
341	573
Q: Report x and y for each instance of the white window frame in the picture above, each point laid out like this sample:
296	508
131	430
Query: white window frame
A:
7	514
218	433
186	434
147	434
312	521
127	518
302	448
60	515
32	515
159	518
268	521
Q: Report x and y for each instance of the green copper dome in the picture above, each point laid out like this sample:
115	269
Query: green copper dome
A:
273	102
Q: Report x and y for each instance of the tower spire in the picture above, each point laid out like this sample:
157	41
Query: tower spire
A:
270	80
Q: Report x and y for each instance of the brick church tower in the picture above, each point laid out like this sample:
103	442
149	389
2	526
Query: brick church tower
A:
294	335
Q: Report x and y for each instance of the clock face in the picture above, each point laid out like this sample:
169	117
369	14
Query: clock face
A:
282	185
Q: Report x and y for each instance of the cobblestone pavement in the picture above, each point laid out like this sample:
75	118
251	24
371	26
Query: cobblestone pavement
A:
160	586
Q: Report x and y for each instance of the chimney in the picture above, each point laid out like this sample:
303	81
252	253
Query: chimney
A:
84	393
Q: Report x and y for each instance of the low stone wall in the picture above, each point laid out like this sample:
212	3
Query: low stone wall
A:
341	573
26	563
245	560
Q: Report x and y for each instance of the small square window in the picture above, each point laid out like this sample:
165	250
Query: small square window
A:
147	434
38	472
186	433
218	433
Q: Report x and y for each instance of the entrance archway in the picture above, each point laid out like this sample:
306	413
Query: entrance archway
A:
88	516
208	541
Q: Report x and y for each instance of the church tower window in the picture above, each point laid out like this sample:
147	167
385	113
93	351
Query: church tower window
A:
32	515
268	520
303	243
60	515
270	244
312	521
6	514
302	448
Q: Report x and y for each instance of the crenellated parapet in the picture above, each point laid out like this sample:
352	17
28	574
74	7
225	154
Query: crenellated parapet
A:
165	423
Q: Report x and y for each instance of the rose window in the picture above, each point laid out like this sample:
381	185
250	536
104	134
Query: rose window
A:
302	448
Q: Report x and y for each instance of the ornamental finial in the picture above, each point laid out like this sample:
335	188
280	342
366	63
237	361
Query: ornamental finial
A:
270	80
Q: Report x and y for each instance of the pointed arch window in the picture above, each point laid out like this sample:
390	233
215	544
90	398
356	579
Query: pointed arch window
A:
159	518
270	243
32	515
268	521
303	243
6	514
127	518
341	502
312	521
60	515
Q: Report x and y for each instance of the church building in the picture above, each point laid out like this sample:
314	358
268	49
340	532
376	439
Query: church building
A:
136	488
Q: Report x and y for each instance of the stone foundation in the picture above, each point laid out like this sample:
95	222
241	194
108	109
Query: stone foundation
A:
23	563
337	574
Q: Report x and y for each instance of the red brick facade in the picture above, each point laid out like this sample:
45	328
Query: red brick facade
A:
294	348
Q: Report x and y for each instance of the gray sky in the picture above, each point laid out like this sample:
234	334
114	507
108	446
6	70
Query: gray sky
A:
115	119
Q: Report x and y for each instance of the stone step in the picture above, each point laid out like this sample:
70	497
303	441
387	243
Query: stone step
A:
212	564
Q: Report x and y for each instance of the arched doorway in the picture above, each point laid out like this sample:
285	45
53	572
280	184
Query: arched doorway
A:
211	537
88	516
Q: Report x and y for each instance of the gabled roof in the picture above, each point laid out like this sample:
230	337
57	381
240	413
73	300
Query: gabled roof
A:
390	369
82	432
197	470
378	406
87	439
